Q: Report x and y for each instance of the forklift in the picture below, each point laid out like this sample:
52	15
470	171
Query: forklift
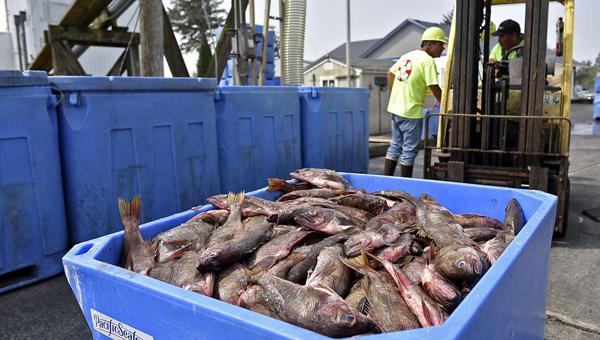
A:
504	123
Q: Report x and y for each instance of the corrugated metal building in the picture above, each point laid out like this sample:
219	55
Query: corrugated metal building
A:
28	19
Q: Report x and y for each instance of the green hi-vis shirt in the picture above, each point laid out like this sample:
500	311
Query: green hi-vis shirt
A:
497	51
414	72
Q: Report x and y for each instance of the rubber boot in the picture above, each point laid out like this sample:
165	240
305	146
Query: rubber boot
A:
406	170
390	167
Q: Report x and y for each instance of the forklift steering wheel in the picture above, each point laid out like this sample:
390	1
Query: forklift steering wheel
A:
510	50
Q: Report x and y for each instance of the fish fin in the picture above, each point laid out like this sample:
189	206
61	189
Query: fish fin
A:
328	269
363	191
432	252
406	259
365	285
372	256
426	313
130	211
378	227
324	288
359	263
363	306
351	230
179	251
276	184
253	274
174	241
344	192
471	241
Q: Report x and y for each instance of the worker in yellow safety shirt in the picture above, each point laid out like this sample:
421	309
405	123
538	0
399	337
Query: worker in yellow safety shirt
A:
509	35
408	81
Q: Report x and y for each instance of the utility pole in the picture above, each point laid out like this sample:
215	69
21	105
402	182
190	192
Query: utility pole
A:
152	38
348	64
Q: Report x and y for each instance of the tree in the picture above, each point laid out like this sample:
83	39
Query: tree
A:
586	76
447	18
203	58
187	18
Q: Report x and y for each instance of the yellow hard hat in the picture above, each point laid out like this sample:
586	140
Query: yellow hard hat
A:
492	30
434	34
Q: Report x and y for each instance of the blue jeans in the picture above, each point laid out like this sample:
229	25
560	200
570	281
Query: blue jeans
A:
406	136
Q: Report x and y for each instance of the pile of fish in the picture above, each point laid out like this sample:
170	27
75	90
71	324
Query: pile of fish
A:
326	256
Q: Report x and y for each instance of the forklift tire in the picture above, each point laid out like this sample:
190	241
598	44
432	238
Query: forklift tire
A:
563	231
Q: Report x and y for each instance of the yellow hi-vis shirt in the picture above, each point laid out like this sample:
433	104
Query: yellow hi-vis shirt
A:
497	52
414	72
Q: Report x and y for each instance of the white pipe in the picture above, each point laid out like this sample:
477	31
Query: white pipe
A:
115	9
292	50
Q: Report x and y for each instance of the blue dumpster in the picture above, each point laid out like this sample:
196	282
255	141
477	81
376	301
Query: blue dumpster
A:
433	123
258	131
597	106
335	128
33	227
506	303
124	136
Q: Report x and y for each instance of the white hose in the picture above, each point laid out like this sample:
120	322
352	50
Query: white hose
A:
292	49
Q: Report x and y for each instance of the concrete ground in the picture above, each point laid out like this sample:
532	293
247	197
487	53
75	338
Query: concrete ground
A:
49	310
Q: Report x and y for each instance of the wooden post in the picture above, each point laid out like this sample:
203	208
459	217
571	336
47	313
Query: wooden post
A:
152	38
172	51
64	62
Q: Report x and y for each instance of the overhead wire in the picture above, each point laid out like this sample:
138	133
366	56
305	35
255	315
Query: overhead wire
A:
137	15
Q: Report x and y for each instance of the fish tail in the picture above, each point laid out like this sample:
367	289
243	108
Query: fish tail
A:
359	263
235	199
276	184
130	212
254	274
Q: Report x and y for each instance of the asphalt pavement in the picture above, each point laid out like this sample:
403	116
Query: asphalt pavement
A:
48	309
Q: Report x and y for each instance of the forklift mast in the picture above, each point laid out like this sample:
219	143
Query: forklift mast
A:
505	125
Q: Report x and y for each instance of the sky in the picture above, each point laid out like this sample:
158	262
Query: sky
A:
374	19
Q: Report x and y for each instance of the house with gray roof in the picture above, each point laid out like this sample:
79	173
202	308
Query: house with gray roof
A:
370	62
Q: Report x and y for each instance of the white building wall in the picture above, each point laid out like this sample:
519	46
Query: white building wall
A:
379	118
7	61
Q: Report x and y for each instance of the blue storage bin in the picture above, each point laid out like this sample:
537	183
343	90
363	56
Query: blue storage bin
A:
597	106
335	128
506	303
433	123
597	84
258	129
33	226
124	136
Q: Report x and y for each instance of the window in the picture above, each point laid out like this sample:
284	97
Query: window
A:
329	82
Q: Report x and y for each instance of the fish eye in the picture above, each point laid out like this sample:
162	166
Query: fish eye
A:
213	254
287	211
312	213
349	320
461	264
